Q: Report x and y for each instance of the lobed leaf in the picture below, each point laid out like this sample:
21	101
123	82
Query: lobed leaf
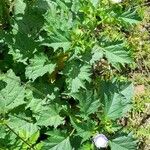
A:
116	99
11	92
50	117
39	66
129	17
77	75
57	141
123	143
88	102
117	54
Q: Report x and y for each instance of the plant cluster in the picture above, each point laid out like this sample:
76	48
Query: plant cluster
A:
60	83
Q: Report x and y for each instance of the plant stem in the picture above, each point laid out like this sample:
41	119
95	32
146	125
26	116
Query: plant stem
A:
72	132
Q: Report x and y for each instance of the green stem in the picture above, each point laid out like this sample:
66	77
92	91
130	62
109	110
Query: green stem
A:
72	132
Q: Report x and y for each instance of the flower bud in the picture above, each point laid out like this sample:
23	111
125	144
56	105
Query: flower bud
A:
100	141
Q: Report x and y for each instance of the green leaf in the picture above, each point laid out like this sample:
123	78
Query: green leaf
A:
62	44
20	50
20	129
34	137
128	91
50	117
36	105
11	92
129	17
77	75
97	54
23	128
84	129
88	102
114	106
86	146
19	7
57	141
24	23
116	99
58	22
39	65
95	2
3	132
116	53
58	26
123	143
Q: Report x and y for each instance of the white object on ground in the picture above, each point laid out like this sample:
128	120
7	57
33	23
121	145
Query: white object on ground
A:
100	141
116	1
